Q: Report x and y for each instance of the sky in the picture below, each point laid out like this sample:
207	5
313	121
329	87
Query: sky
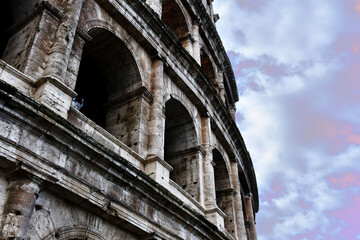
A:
297	67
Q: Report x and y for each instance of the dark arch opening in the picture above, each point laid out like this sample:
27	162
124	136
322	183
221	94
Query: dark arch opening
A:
107	78
208	68
181	147
224	192
174	18
222	178
6	21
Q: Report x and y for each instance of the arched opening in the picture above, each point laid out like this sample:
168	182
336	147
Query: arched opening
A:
174	18
208	68
75	233
6	21
181	147
107	83
224	191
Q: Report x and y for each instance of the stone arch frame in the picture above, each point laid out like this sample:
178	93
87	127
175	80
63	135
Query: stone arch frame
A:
97	23
186	156
226	163
224	191
215	146
187	106
121	112
184	14
80	232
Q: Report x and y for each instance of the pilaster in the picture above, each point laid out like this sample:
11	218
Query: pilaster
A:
250	217
156	167
48	91
23	191
196	44
209	176
212	213
220	85
239	208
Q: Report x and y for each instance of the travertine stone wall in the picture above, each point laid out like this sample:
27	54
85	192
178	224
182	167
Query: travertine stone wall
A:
52	214
115	123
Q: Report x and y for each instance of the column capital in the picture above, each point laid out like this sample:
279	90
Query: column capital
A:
18	174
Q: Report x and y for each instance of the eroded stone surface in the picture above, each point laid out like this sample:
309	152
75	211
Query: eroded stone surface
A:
116	122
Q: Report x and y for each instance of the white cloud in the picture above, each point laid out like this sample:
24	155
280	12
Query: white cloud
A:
290	30
293	39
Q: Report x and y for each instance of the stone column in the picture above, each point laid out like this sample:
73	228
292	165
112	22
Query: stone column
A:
196	44
187	43
220	85
156	5
240	221
51	87
156	125
23	191
212	213
156	167
250	217
64	38
209	176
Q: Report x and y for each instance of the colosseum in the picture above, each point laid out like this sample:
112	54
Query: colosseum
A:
117	122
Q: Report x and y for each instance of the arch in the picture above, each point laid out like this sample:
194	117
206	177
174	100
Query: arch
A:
109	86
208	67
179	96
224	191
222	177
174	16
75	233
90	25
181	148
6	21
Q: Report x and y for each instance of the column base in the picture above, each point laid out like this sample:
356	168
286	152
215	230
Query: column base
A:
54	94
216	216
158	169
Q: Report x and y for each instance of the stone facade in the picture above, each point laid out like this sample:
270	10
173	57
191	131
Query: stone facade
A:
117	122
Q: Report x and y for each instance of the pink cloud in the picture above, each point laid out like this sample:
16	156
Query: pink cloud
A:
350	215
347	180
309	127
354	139
304	205
357	6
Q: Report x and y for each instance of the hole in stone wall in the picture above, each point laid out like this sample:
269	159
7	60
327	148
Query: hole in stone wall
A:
17	212
38	207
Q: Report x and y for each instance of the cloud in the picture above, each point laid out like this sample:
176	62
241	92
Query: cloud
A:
291	30
297	70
